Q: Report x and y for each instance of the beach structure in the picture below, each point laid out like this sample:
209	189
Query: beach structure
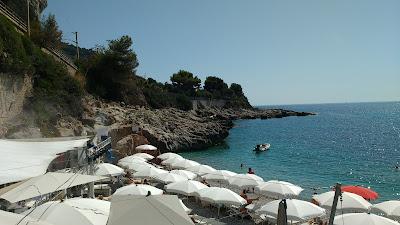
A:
138	190
201	169
154	210
45	184
363	219
189	175
79	211
187	187
107	169
297	210
349	202
23	159
390	209
278	189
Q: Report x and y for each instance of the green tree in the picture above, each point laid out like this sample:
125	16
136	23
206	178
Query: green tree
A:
50	34
111	71
185	82
216	86
236	89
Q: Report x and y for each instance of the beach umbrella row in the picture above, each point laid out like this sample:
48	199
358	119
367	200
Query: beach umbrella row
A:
349	202
189	175
278	189
362	219
187	187
107	169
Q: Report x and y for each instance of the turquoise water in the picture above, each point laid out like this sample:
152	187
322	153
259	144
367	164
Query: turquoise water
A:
355	144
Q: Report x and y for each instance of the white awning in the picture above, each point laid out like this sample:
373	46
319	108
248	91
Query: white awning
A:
44	184
23	159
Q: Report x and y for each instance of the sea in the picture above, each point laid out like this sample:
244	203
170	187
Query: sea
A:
349	143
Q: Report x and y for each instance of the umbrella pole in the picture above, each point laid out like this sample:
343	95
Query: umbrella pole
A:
218	210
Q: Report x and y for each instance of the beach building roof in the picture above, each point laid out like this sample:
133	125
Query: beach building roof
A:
23	159
44	184
138	189
154	209
362	219
105	169
297	210
7	218
79	211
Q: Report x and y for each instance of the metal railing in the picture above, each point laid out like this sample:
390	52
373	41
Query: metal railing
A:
62	57
13	17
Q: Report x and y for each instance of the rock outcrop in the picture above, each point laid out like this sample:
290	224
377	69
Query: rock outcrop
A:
169	129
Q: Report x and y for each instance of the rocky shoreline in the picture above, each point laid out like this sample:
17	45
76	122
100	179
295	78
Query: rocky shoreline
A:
172	129
169	129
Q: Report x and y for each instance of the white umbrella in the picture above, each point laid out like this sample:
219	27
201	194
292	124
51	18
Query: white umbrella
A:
138	189
146	148
154	210
45	184
388	208
201	169
245	180
168	178
168	155
297	210
362	219
8	218
131	159
351	202
82	211
172	160
107	169
278	189
148	172
138	166
187	187
220	195
144	156
187	210
219	175
189	175
184	164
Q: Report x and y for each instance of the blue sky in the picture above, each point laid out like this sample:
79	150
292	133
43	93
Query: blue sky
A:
282	52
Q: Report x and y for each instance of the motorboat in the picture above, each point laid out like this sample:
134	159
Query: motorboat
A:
262	147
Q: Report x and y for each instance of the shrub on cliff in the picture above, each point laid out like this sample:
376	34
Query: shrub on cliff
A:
54	91
13	56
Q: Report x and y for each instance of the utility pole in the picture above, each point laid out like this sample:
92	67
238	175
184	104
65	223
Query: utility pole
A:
76	44
338	192
28	19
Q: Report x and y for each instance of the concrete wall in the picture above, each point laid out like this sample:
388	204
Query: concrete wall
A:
13	91
198	103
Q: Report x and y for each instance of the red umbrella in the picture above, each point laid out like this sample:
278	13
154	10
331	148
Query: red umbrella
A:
366	193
